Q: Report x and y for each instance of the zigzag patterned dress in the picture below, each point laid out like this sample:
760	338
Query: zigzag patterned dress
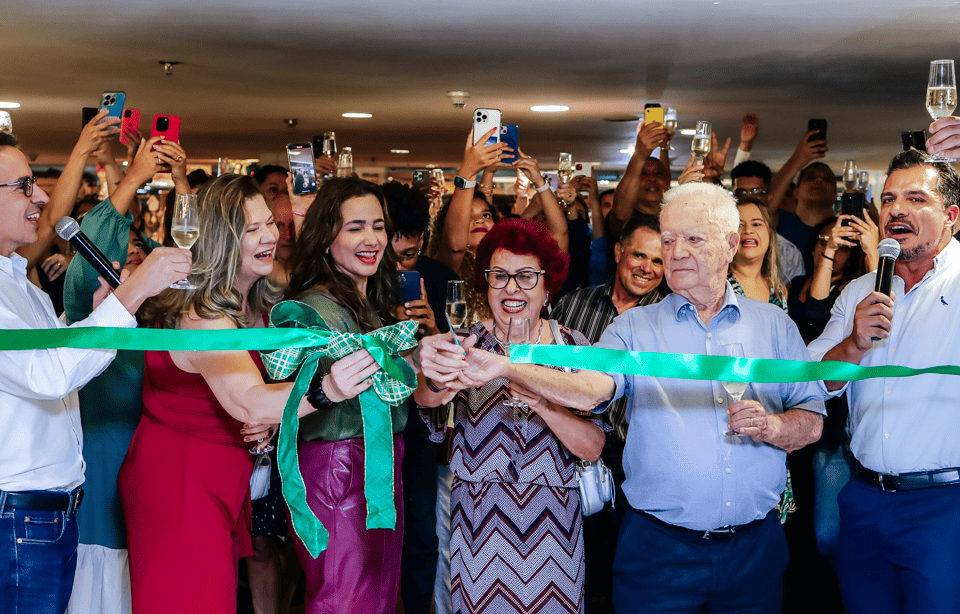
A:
517	543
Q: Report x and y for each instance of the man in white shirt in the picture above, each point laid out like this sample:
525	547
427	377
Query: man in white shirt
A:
899	516
41	467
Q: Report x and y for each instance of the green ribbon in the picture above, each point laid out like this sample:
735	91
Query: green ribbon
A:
391	386
701	367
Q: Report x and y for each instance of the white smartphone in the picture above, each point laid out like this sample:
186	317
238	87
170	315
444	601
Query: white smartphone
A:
485	120
582	168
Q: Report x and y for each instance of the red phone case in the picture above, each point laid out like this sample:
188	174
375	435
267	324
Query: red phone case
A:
131	121
172	132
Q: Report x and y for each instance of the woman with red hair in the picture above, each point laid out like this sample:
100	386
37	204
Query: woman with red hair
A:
516	543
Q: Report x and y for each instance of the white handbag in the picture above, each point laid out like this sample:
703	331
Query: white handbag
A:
260	478
595	479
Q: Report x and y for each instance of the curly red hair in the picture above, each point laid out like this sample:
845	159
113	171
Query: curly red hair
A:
524	238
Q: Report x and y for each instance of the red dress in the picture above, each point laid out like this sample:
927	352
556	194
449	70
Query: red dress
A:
185	489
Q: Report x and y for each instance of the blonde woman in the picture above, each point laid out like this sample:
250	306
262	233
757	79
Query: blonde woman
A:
755	270
185	484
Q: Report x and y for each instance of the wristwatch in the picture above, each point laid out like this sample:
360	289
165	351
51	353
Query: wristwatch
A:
460	182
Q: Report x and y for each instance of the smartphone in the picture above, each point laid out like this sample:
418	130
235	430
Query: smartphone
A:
167	126
421	178
916	139
820	125
582	168
652	112
300	156
409	286
131	121
113	103
553	180
87	114
852	203
318	145
485	120
508	135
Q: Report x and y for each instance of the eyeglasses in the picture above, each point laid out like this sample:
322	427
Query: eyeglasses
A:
24	183
526	279
749	192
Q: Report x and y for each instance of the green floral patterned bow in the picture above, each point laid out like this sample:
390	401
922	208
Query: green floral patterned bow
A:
391	386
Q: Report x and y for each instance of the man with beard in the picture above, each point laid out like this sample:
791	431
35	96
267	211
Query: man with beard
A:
899	518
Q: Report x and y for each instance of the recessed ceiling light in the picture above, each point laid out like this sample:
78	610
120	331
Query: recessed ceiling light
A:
400	151
688	132
628	150
9	105
550	108
358	115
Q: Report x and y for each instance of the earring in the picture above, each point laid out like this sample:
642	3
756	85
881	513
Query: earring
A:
546	298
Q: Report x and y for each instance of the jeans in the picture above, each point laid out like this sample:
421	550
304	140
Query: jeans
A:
441	588
898	550
38	559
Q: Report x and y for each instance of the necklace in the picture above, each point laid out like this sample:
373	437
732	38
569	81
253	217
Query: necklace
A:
505	348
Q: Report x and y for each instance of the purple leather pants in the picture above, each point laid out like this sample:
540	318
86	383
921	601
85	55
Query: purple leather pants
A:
359	572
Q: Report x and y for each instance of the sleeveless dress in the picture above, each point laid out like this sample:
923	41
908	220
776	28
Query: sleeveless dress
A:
185	489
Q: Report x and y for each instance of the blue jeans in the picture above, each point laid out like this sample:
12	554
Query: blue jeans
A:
38	559
899	550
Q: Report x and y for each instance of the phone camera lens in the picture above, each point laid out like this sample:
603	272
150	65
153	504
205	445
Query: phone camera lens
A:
163	123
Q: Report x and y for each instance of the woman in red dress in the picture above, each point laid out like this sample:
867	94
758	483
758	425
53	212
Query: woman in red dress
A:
185	483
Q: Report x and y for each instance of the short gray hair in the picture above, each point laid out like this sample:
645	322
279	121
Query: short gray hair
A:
714	197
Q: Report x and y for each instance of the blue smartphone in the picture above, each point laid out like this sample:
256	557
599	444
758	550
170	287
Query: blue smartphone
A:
113	102
508	135
409	286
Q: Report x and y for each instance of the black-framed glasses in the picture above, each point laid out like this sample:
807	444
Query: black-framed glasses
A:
749	192
527	279
24	183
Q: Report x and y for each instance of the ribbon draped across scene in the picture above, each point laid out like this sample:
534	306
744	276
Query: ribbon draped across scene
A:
302	337
392	384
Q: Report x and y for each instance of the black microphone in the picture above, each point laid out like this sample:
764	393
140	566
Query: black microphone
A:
68	230
888	250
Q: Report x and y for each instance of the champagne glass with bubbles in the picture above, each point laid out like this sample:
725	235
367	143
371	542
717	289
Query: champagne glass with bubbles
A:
701	141
941	93
518	333
456	307
565	171
734	389
850	174
670	123
185	230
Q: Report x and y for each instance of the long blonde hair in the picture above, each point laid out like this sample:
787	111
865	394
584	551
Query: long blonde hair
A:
217	256
770	268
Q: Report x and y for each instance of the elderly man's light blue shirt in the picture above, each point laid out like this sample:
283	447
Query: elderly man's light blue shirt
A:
680	465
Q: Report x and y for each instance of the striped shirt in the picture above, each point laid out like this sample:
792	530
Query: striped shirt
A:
590	311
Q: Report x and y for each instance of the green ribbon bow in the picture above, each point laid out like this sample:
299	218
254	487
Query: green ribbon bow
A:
391	386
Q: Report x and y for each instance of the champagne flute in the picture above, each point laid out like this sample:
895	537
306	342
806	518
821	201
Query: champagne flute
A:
185	230
734	389
565	171
518	333
863	180
850	174
941	94
456	307
670	123
345	164
701	141
329	148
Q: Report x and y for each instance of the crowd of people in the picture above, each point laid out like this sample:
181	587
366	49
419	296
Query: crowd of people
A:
125	475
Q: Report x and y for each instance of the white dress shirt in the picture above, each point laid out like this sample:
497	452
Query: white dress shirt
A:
40	436
901	425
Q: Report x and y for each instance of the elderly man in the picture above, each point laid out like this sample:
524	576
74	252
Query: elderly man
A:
635	283
41	467
701	530
899	517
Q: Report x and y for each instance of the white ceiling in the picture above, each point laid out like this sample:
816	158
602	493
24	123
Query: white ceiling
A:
249	64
